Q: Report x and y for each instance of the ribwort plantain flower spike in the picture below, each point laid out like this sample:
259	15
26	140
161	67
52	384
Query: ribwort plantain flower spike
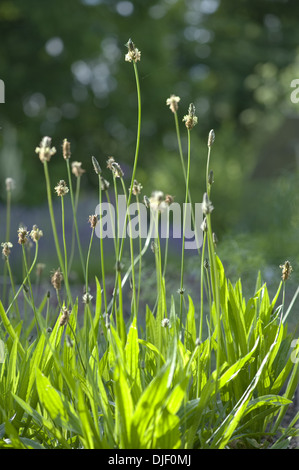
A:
66	149
96	166
172	102
93	220
56	279
77	170
211	138
136	188
133	54
22	235
286	270
45	151
190	119
65	316
36	233
207	206
61	188
6	246
10	184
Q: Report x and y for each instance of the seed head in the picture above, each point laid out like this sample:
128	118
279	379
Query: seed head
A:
96	166
190	119
207	206
6	249
61	188
23	235
211	138
36	233
172	102
45	150
133	54
93	220
66	149
10	184
65	316
77	170
56	279
286	270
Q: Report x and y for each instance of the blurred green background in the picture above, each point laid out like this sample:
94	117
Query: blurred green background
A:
63	66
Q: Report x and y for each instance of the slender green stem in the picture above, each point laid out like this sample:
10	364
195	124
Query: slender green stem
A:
132	254
74	207
140	253
102	248
201	286
184	225
53	223
7	236
63	235
30	286
25	279
87	260
13	287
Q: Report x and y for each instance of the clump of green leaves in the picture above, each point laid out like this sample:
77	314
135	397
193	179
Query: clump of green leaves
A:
220	374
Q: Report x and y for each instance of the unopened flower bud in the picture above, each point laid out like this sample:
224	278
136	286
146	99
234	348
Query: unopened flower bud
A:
96	166
66	149
211	138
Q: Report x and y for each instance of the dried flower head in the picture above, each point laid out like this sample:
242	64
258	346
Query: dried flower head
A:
36	233
190	119
96	166
77	170
286	270
93	220
45	150
23	235
56	279
10	184
133	54
136	188
207	206
6	246
65	316
211	138
66	149
61	188
172	102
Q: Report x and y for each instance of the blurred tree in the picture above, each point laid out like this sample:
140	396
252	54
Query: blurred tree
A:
65	76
